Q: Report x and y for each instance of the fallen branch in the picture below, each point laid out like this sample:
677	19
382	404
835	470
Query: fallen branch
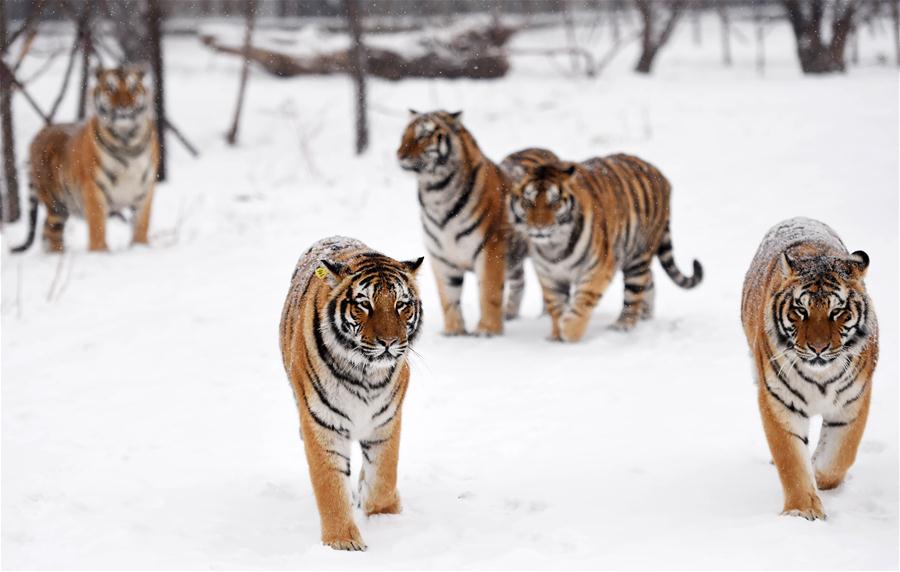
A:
475	54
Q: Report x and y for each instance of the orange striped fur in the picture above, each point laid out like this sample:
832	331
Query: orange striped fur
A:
585	221
349	319
103	166
813	337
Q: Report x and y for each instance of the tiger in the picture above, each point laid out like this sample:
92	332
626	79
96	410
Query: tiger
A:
584	221
97	168
349	320
463	212
813	337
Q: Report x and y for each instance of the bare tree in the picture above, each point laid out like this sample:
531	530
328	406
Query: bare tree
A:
652	41
250	17
726	35
358	56
807	19
895	17
154	24
84	34
9	198
760	27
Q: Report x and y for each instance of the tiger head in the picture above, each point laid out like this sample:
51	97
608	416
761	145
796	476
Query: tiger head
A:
121	101
373	310
431	142
821	311
542	205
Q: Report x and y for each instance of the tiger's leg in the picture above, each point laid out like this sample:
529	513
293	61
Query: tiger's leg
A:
449	283
786	431
378	478
649	301
556	298
491	269
588	291
142	221
515	277
638	280
95	213
54	226
838	443
328	457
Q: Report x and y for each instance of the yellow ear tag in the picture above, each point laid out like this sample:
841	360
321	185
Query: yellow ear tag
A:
322	272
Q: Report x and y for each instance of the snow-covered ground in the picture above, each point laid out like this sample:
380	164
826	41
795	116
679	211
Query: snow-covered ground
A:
147	422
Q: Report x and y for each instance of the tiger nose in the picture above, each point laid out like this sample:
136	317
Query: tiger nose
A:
388	342
819	349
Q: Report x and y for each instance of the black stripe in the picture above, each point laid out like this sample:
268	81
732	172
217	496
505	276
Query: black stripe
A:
468	230
789	407
441	184
463	198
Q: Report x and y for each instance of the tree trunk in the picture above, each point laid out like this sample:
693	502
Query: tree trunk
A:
358	57
9	198
154	25
651	42
816	56
895	16
84	33
250	14
760	40
726	35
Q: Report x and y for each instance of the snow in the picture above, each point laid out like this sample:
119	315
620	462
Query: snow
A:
147	421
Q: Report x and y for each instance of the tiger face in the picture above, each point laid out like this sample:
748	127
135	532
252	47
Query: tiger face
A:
542	206
121	101
430	142
374	310
821	313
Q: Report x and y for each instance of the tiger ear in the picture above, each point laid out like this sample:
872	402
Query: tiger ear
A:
568	168
413	265
331	272
788	265
859	262
456	115
413	112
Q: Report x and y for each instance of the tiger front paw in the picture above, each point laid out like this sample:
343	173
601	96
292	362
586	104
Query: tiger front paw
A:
346	538
488	329
808	507
571	328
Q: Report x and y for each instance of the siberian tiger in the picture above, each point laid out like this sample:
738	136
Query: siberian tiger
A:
514	166
97	168
586	220
350	317
462	197
814	340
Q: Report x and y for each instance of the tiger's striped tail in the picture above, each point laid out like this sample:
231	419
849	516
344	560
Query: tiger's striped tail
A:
664	252
32	225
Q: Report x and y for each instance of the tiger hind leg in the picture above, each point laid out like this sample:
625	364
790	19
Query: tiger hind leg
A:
515	277
54	226
638	283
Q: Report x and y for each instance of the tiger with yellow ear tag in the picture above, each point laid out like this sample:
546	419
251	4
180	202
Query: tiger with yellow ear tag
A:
349	320
814	341
104	166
